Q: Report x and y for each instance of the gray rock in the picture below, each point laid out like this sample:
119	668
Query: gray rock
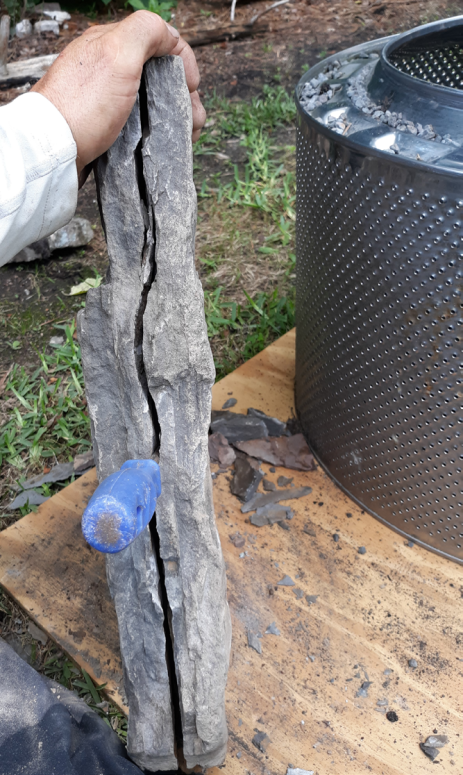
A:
436	741
412	663
229	403
272	629
269	486
286	581
83	462
56	341
37	633
271	514
58	473
297	771
361	550
75	234
245	479
23	29
46	25
220	450
311	599
29	496
147	363
264	499
238	427
254	642
261	741
284	481
274	427
34	252
430	751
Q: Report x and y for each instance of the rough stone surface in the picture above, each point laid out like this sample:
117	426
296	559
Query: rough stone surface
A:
238	427
76	233
274	427
220	450
290	452
264	499
147	364
180	372
246	479
34	252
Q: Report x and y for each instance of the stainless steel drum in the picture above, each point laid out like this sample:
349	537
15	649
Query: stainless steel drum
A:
379	277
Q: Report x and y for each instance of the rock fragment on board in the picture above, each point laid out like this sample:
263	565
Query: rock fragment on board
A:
297	771
261	741
254	642
274	427
220	450
268	515
246	478
266	498
83	462
237	427
288	451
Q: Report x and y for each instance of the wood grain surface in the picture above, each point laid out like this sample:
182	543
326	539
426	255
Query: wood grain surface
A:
348	618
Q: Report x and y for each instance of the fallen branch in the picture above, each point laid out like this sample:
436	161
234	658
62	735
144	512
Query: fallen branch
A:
218	34
270	8
26	71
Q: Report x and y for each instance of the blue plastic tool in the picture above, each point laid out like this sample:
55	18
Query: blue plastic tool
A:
122	506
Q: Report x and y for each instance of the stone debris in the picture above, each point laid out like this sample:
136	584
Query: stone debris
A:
264	499
46	25
287	451
56	341
23	29
272	629
76	234
311	599
286	581
37	633
284	481
299	593
412	663
148	341
391	715
361	550
268	515
381	703
275	427
229	403
436	741
220	450
318	91
28	496
297	771
268	485
261	741
363	691
83	462
58	16
58	473
238	427
430	751
237	540
246	478
357	90
254	642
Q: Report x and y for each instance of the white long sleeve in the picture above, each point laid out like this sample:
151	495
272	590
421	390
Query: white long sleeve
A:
38	175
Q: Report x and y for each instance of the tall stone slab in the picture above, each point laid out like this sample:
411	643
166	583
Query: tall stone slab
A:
149	371
123	427
180	373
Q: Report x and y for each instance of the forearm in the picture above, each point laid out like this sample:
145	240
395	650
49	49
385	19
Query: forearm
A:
38	174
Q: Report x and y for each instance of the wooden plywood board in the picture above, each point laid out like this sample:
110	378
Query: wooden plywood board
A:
372	613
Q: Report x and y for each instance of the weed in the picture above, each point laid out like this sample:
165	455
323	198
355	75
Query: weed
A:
163	8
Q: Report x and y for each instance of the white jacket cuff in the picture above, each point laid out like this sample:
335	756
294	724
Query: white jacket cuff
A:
38	174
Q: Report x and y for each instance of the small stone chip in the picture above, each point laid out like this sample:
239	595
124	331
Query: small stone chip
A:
272	629
284	481
335	537
436	741
239	755
311	599
230	402
254	642
298	592
412	663
391	715
361	550
429	751
297	771
269	486
286	581
261	741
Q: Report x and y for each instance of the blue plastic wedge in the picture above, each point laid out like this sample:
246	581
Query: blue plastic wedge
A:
122	506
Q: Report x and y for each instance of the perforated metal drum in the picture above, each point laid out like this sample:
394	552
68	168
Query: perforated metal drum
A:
379	278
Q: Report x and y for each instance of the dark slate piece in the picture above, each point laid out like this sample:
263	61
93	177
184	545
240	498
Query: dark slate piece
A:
272	629
263	499
254	642
286	581
238	427
229	403
275	427
147	364
246	479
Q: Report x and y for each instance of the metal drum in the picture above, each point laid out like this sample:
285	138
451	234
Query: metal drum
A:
379	351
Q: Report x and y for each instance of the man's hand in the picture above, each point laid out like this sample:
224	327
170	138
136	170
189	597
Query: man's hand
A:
95	80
